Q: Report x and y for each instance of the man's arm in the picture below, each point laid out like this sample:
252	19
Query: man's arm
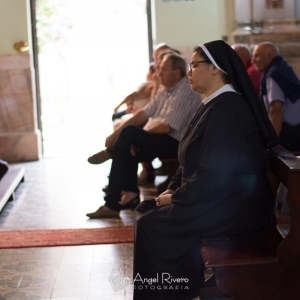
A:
276	115
276	98
142	93
137	119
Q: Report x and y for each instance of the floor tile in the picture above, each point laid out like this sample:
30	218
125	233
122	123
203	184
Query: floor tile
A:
47	201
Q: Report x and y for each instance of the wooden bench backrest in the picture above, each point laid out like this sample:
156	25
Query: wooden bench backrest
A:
267	267
286	168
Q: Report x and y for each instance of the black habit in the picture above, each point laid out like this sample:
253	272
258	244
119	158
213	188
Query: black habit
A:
221	188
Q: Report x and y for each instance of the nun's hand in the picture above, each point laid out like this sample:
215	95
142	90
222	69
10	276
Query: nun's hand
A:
163	200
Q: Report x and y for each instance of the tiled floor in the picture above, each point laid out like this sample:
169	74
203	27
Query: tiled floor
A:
57	193
64	273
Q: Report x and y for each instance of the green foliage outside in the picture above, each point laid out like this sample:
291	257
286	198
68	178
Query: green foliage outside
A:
52	22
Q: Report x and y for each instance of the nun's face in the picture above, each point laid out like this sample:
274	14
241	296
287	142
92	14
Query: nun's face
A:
200	74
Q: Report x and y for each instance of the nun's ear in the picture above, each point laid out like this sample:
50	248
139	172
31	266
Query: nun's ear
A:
215	70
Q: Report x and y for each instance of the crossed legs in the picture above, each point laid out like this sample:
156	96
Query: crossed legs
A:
123	174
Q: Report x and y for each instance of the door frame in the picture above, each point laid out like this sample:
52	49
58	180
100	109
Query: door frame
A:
36	67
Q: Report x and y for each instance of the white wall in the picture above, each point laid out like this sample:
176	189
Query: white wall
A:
13	24
187	24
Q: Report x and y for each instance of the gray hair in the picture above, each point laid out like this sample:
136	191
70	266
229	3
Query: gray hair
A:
178	62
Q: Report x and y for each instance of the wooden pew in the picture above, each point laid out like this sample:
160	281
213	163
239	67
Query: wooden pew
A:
9	182
266	265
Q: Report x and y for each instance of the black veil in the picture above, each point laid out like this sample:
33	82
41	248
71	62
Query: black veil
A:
228	60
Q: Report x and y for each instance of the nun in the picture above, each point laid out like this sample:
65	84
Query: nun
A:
221	187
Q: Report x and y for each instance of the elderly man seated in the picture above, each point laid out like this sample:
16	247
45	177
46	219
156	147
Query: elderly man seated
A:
170	112
280	91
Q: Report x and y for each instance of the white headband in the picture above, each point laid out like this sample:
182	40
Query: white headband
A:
211	58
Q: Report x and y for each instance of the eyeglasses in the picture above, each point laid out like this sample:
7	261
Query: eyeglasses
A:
194	64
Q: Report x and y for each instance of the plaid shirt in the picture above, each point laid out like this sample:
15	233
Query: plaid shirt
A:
174	107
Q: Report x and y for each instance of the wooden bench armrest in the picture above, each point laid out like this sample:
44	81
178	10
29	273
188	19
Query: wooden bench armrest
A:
282	163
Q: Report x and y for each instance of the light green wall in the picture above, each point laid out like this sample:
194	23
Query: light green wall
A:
186	24
13	24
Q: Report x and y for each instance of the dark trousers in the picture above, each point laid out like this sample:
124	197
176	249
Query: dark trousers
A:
118	115
123	173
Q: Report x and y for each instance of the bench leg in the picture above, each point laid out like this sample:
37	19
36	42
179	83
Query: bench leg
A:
209	288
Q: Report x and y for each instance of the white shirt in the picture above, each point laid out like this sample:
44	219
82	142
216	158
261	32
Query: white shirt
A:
174	107
291	111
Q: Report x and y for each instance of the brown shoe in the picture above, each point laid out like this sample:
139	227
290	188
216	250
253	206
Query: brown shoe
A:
103	212
99	157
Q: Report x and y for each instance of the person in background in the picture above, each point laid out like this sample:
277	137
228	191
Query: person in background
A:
130	144
158	51
147	175
245	55
280	91
221	187
136	100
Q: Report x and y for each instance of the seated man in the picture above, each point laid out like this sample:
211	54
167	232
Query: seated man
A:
147	176
245	55
170	112
280	91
